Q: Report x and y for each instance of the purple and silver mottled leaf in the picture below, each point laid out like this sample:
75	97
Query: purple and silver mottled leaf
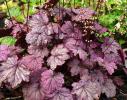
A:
75	67
61	94
33	92
109	88
39	20
110	45
82	14
51	81
38	50
35	76
38	37
70	31
113	57
13	72
58	56
4	52
86	90
76	47
109	66
32	62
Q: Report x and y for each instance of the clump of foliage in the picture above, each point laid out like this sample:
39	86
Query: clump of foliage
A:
59	55
111	13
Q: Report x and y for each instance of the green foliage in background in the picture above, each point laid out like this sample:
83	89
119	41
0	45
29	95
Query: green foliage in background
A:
8	40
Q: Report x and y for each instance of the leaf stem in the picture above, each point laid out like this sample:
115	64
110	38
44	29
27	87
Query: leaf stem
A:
28	7
9	12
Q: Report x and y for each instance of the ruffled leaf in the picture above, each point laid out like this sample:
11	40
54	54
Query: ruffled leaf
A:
110	66
110	45
38	50
86	90
4	52
61	94
76	47
109	88
70	31
75	67
32	62
82	14
39	20
38	37
51	81
58	56
13	72
33	92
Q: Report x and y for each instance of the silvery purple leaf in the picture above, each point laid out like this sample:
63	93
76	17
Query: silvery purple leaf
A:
32	62
51	80
39	20
86	90
110	45
82	14
13	72
109	88
33	92
71	31
61	94
76	47
4	52
59	55
75	67
38	50
37	37
109	66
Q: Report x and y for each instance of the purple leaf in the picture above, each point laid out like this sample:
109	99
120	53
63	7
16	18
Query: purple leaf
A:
8	23
85	75
110	45
51	81
86	90
110	66
97	75
33	92
35	76
13	72
18	29
59	12
109	88
75	67
4	52
112	57
82	14
39	20
38	50
82	54
15	50
32	62
38	37
58	56
52	28
99	28
70	31
76	47
61	94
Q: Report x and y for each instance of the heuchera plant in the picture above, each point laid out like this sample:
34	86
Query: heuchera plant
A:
59	56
